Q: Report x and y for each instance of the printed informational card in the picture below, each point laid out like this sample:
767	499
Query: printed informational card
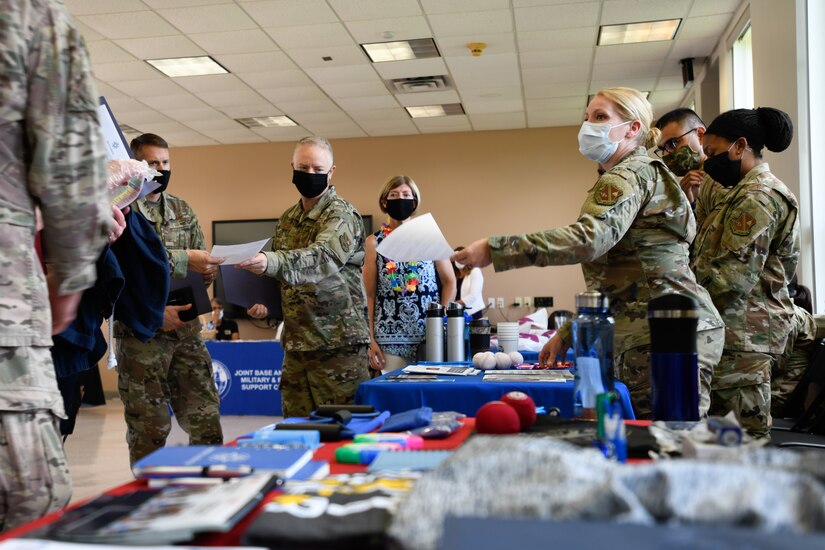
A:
419	239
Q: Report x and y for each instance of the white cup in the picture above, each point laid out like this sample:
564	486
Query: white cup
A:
508	344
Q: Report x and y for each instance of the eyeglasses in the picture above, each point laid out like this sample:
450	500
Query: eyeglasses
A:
671	144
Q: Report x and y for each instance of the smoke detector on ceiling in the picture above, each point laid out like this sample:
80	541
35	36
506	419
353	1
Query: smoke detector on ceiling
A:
419	84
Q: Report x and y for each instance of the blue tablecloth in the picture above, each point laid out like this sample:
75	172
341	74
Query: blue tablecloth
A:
466	394
247	374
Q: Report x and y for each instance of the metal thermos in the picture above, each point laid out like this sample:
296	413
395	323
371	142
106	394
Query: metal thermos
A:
435	332
455	332
593	344
674	366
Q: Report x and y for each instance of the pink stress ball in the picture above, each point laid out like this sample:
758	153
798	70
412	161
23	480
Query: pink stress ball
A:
524	406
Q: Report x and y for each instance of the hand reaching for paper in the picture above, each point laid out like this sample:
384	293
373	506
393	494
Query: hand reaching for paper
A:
477	254
200	261
257	264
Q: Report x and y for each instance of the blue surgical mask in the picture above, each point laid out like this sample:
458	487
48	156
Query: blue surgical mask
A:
595	143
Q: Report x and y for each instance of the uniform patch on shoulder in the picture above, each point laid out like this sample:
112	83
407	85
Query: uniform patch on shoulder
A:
608	193
743	224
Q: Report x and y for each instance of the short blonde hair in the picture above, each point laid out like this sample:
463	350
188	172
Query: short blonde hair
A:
633	105
395	183
317	141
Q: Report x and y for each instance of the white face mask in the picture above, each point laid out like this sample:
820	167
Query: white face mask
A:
595	143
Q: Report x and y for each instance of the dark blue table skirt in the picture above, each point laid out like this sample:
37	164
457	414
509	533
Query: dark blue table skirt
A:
247	374
466	394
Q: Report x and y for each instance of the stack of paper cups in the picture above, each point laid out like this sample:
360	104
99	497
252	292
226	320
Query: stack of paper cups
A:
507	334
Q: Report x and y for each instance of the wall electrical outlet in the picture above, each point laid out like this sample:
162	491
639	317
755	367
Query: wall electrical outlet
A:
500	303
543	301
491	303
528	302
517	302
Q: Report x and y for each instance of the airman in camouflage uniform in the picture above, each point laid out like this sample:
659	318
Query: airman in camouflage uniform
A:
317	254
173	368
51	154
744	254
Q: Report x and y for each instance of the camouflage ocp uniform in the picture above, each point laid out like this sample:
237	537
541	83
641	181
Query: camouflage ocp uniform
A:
51	153
173	368
745	253
631	239
317	256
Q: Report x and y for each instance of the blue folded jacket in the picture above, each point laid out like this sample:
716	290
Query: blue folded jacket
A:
408	420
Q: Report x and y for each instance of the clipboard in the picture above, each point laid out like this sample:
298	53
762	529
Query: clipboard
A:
190	290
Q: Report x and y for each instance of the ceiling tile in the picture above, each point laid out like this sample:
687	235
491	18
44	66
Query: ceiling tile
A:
634	11
411	68
499	121
711	27
641	84
284	133
456	46
355	89
89	34
189	138
378	130
256	62
142	24
556	75
341	55
311	36
340	75
632	53
120	105
224	17
223	124
161	47
230	98
287	13
149	88
556	58
105	51
373	117
624	71
670	83
561	89
87	7
159	4
437	124
311	106
130	70
276	79
354	10
459	6
478	106
292	93
458	24
561	117
529	3
498	93
559	39
403	28
109	92
144	118
337	129
696	47
713	7
252	110
555	103
428	98
212	83
336	116
196	113
487	71
172	102
386	101
236	136
231	42
545	18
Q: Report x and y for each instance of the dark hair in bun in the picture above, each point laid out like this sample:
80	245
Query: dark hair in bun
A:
762	127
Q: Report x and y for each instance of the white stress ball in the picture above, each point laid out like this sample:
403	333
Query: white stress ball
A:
503	360
487	361
478	358
516	357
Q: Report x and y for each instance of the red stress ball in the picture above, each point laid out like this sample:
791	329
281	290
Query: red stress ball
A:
497	417
524	406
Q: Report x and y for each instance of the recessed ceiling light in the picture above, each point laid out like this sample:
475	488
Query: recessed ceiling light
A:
630	33
187	66
267	121
427	111
419	48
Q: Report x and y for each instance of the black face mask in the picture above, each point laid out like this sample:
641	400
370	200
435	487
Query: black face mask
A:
309	185
722	169
163	180
400	209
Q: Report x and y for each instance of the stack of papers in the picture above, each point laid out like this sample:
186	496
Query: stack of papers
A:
528	376
446	369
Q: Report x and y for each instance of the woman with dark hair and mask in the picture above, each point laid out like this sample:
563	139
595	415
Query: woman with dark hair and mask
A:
398	293
631	239
745	254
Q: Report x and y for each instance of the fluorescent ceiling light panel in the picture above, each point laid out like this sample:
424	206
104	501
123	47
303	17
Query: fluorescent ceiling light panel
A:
630	33
126	129
267	121
427	111
187	66
419	48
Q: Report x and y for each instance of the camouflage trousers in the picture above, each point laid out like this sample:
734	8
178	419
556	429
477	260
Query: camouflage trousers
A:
633	368
312	378
34	474
790	367
167	371
742	384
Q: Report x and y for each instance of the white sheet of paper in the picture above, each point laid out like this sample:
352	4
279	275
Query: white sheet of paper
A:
419	239
236	253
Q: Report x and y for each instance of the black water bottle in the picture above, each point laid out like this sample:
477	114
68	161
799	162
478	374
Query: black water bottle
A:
674	363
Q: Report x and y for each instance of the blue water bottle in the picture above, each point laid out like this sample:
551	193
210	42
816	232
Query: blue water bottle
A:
593	344
674	367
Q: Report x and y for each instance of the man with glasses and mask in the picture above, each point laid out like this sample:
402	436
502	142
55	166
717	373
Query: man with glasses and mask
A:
680	147
317	255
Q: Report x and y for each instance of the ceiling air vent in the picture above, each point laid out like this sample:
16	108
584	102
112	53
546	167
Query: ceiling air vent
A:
419	84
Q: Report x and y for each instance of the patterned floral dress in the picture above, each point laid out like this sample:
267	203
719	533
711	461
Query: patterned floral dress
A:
402	294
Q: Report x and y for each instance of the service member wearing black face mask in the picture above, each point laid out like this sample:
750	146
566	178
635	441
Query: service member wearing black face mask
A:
743	254
398	293
317	253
